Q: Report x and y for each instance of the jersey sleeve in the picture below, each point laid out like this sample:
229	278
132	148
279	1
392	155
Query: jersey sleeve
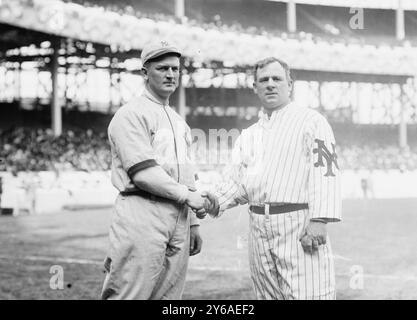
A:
324	185
130	133
191	173
231	192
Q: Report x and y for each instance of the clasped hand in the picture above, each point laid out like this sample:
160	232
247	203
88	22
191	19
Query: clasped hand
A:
203	203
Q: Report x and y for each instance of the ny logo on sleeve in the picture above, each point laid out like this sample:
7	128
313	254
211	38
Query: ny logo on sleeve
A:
330	158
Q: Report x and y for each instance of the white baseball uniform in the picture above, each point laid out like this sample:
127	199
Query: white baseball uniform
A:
149	236
287	158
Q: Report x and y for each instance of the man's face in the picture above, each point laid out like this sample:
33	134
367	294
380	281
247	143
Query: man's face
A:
163	76
272	86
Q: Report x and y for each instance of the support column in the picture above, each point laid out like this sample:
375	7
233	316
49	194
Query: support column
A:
180	14
18	78
402	136
181	95
356	116
110	108
179	9
291	16
66	73
319	93
56	115
399	22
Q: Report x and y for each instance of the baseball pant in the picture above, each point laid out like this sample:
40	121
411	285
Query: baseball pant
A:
280	269
149	250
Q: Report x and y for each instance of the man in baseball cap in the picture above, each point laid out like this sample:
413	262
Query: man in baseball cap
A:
154	230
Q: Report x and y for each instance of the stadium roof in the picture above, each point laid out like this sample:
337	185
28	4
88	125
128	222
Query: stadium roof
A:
127	32
371	4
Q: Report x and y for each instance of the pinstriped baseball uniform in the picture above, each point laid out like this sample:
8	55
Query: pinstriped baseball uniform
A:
287	158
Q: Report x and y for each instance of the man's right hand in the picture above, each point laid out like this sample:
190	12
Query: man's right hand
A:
195	201
211	207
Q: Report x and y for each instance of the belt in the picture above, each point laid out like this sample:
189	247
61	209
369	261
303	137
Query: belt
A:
277	209
144	194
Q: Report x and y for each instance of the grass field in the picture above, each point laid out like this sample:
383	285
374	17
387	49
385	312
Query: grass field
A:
379	236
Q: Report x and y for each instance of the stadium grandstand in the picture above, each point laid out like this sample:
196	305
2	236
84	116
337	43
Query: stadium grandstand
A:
67	66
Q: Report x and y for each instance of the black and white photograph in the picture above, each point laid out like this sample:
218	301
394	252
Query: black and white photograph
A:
190	150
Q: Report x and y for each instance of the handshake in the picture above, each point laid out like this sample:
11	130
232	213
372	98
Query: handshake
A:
203	203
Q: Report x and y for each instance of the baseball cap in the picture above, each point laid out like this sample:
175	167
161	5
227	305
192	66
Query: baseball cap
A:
158	49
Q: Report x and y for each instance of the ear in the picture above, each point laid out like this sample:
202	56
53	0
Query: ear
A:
145	73
255	89
290	87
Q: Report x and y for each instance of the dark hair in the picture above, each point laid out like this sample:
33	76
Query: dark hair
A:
264	62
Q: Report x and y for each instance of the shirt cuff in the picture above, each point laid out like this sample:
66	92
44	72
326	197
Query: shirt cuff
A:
194	221
183	194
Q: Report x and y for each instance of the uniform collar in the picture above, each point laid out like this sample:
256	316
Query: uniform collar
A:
147	94
263	115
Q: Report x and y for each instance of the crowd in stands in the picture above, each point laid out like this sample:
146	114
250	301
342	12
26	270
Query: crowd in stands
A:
214	22
28	149
316	35
269	19
377	157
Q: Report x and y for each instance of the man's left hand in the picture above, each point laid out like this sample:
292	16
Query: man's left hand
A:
195	240
314	235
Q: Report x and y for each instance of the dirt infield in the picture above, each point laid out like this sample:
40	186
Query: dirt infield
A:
376	237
